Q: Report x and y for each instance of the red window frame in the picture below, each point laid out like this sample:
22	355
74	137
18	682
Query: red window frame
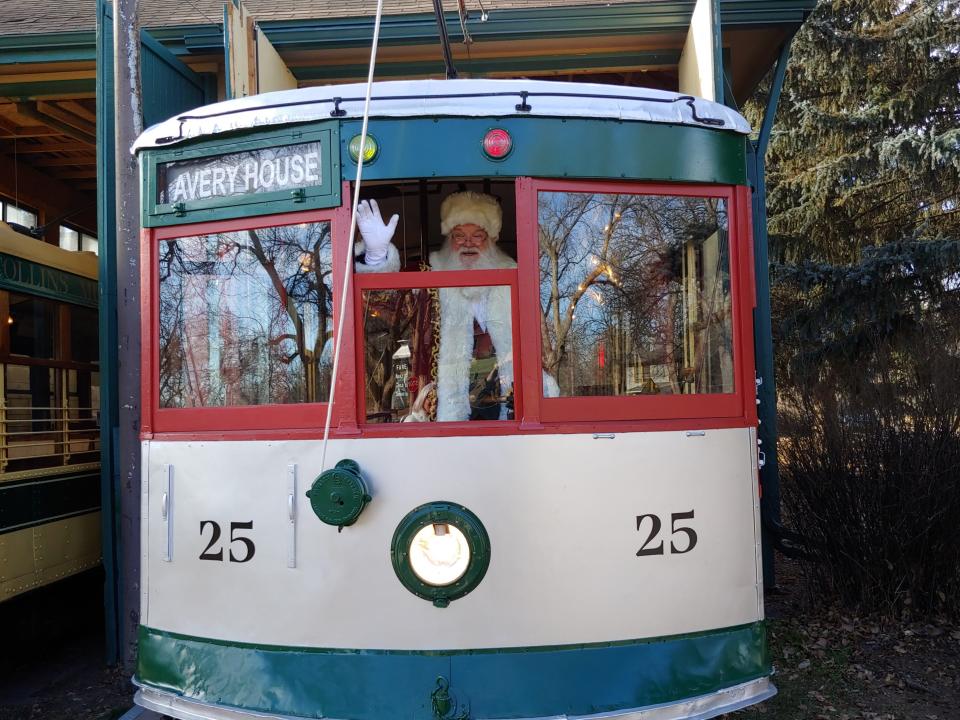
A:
723	407
435	279
284	417
533	413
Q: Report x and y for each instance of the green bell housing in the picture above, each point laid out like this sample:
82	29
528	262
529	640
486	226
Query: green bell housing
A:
339	494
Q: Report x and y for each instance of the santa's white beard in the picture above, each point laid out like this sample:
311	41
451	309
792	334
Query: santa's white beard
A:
490	258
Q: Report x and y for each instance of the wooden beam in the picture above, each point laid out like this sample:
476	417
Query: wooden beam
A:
31	110
80	111
29	131
10	129
42	69
58	112
64	161
12	75
7	125
52	147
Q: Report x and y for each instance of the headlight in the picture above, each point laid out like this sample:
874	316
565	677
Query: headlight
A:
440	552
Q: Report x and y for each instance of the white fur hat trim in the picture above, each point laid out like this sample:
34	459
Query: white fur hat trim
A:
471	208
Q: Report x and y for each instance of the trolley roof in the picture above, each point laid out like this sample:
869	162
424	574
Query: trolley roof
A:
13	243
449	98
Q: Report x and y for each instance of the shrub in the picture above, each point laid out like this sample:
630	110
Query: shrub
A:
869	373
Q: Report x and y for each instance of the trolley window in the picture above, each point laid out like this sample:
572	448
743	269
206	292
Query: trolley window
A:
436	342
637	301
243	323
245	317
49	382
424	363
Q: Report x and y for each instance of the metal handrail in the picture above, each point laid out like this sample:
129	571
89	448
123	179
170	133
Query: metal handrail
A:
53	442
66	431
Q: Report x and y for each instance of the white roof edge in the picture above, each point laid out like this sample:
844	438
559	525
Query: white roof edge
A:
454	98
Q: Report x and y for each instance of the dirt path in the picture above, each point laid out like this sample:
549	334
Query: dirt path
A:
837	665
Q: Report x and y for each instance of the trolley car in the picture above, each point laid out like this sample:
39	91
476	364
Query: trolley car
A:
49	413
566	525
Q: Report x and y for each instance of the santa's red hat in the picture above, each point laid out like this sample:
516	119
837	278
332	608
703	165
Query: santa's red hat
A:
471	208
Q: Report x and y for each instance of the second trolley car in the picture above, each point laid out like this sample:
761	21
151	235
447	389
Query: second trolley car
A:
540	496
49	413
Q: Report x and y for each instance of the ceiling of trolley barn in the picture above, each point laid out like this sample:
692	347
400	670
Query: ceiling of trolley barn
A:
48	50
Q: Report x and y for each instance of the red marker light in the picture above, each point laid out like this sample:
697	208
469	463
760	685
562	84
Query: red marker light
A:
497	144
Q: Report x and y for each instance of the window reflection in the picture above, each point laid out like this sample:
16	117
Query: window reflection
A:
246	317
635	294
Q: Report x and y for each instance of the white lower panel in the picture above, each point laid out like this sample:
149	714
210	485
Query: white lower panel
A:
561	512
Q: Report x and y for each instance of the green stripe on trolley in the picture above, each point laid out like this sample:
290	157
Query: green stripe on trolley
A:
499	683
28	503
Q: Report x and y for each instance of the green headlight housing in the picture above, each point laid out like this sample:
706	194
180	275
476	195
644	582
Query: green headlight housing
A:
463	560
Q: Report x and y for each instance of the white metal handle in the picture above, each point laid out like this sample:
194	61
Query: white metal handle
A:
291	515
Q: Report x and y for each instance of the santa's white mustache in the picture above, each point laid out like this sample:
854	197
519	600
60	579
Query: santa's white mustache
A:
474	257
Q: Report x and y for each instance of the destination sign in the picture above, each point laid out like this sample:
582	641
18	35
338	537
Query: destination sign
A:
284	167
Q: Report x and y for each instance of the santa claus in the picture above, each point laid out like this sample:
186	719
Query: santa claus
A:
472	369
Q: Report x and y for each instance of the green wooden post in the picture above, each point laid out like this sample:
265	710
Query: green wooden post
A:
763	334
106	232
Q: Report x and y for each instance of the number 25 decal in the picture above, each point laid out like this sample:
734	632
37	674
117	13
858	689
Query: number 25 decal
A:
214	552
656	524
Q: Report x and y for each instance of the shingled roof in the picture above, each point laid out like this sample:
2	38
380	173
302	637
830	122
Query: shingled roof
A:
30	17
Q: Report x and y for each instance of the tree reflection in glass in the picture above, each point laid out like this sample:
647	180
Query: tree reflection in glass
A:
246	317
635	294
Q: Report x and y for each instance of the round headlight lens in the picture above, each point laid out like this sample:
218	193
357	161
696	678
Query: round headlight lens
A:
439	554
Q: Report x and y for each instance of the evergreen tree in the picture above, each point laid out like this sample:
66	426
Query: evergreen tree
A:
866	147
864	217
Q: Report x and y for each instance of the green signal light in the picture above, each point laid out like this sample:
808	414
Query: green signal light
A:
370	149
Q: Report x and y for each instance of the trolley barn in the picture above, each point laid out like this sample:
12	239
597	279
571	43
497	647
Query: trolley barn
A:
587	545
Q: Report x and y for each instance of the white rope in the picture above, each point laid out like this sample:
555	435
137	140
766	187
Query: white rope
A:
347	270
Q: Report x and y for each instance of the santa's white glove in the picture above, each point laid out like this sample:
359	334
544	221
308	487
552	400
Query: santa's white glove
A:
376	234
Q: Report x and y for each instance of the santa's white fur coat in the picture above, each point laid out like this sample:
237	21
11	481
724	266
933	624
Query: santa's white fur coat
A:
459	307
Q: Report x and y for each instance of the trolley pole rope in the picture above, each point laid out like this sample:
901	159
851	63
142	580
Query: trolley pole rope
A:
348	267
